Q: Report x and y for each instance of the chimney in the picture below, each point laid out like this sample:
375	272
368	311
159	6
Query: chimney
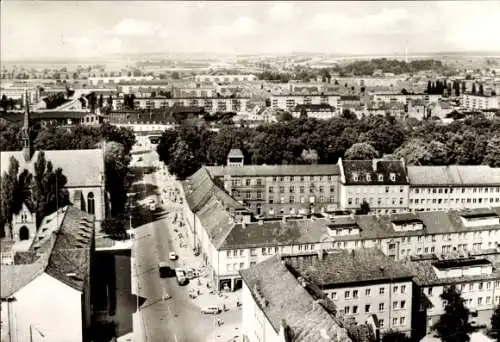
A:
374	164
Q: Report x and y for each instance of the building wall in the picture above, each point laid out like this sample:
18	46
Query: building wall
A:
393	306
383	199
225	78
288	102
99	195
481	297
256	327
23	219
285	195
50	307
418	243
432	198
480	102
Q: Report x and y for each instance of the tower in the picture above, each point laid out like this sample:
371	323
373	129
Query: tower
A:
26	130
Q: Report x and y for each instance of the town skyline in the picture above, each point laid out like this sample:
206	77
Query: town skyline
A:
92	29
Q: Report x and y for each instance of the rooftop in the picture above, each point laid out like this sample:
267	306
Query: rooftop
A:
235	153
367	172
306	319
88	172
453	175
340	268
63	253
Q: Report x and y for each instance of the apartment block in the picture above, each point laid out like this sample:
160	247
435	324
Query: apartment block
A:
309	315
225	78
276	190
453	187
383	184
362	283
288	102
476	278
479	102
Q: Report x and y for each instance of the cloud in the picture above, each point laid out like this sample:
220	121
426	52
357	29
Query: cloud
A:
132	27
283	11
243	26
381	22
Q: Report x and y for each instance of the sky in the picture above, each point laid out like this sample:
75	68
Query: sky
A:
67	29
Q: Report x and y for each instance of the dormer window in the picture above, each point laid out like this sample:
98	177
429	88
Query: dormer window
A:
368	177
393	177
355	177
380	177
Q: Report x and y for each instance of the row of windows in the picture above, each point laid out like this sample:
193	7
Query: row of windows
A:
373	189
354	294
380	201
291	200
469	287
239	253
456	201
302	189
459	190
368	177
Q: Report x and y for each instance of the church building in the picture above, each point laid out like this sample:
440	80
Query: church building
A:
84	170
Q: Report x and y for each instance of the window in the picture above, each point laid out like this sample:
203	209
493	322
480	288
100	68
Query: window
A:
381	291
347	294
403	288
229	267
228	254
402	321
253	263
395	289
381	307
346	310
334	295
355	309
367	308
386	189
368	292
395	321
403	304
381	323
247	182
90	203
271	189
480	301
355	294
253	252
429	291
394	305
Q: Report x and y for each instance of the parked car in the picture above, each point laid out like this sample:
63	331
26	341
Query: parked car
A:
181	276
210	310
173	256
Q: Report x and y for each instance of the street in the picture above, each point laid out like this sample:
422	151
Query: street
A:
166	310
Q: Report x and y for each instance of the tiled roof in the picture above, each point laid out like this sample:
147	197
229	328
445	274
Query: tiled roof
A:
275	170
454	175
63	252
435	222
275	233
286	300
81	167
339	268
235	152
373	168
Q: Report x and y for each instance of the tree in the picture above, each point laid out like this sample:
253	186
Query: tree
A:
364	209
8	195
492	156
303	113
175	75
182	162
473	88
395	336
309	156
116	161
361	151
115	227
166	145
453	325
101	101
495	324
481	89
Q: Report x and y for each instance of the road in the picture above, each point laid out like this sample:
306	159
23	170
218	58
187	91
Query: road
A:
176	318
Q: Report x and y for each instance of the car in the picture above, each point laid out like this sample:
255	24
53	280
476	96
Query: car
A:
139	159
152	207
165	270
181	276
173	256
210	310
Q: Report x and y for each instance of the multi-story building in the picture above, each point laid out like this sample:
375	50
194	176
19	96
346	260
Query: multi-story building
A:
383	184
210	104
405	98
276	190
276	305
453	187
288	102
409	234
19	93
361	283
477	280
225	78
316	111
479	102
118	79
50	281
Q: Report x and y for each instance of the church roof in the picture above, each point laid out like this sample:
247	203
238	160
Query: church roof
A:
82	168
